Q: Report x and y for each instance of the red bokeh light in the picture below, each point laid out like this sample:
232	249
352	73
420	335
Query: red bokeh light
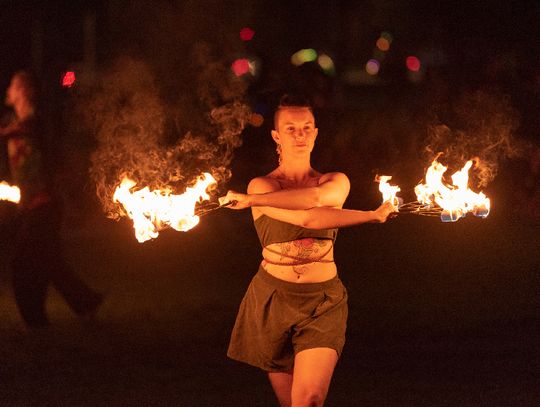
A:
240	66
246	34
413	64
68	79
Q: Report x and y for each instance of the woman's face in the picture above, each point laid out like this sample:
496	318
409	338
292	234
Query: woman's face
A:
14	92
296	131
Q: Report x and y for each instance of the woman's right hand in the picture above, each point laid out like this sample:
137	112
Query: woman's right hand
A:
384	211
235	200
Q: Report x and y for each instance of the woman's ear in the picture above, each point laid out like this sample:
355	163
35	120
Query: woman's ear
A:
275	136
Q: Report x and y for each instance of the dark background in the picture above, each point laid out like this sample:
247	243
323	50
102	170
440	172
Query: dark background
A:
440	314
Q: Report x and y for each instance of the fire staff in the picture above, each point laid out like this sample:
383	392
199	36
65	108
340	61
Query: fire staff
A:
37	260
292	319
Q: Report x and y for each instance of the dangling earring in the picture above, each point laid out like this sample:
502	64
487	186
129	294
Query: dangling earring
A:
278	149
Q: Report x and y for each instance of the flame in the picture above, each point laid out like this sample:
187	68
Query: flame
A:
456	200
10	193
152	211
388	191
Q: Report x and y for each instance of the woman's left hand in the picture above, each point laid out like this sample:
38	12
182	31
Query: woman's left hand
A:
239	201
385	211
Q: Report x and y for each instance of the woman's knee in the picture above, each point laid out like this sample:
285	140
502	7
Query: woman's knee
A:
308	396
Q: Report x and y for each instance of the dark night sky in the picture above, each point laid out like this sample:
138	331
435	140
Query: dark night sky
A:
469	33
463	46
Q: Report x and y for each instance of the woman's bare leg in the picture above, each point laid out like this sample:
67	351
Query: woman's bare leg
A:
282	385
313	369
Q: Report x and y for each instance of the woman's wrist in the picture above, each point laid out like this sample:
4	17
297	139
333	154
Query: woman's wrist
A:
252	200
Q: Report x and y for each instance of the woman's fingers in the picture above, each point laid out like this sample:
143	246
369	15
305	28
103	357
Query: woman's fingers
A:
385	210
223	200
235	200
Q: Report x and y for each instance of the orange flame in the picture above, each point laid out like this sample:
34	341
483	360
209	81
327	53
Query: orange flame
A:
456	200
388	191
10	193
152	211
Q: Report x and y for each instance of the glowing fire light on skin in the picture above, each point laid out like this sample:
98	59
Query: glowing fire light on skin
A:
388	191
152	211
456	200
9	193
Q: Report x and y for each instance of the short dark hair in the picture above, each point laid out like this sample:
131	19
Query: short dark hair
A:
294	101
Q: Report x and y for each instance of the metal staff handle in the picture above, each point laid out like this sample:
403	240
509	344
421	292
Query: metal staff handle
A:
417	208
211	207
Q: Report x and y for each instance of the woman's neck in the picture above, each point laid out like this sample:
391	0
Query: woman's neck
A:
296	171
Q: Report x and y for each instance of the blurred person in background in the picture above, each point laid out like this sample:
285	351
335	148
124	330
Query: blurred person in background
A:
37	260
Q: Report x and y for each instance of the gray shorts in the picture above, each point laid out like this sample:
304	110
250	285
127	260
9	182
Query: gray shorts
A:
277	319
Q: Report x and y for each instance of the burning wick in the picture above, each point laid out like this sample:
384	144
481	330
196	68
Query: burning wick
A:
9	193
389	191
436	197
455	200
152	211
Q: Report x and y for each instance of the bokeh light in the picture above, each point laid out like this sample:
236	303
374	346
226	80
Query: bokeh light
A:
256	119
253	66
246	34
415	76
383	44
413	63
240	66
303	56
379	55
326	63
372	67
387	36
68	80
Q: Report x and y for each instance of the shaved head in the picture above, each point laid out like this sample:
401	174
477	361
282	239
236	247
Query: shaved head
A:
291	102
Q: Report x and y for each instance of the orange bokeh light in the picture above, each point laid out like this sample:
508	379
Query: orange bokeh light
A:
383	44
256	120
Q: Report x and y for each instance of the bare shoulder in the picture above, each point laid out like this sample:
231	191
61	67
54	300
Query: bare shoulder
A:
262	185
336	186
334	176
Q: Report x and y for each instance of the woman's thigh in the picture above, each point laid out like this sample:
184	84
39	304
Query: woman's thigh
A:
313	370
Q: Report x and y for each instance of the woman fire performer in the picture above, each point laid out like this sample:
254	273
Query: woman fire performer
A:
292	319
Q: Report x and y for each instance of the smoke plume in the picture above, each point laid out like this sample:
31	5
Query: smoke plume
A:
481	126
137	133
